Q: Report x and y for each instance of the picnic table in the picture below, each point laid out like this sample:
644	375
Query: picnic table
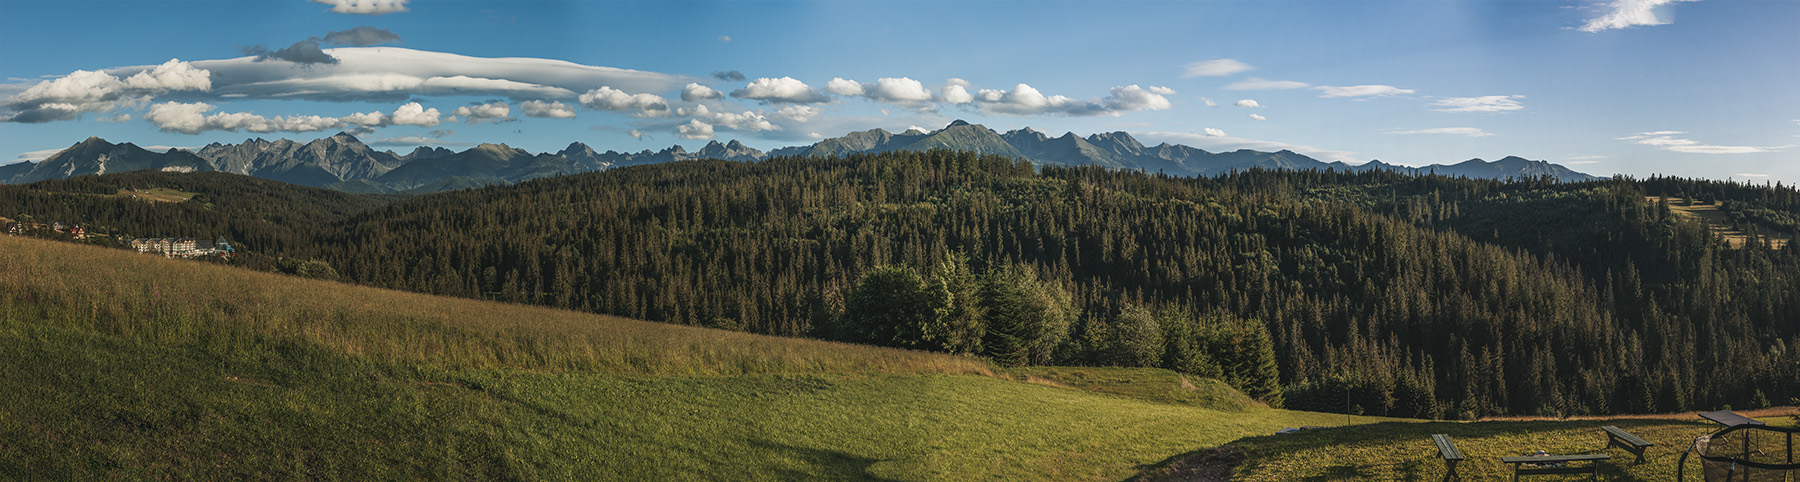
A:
1729	418
1732	419
1556	464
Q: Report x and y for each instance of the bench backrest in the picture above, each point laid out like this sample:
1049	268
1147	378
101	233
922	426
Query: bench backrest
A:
1446	448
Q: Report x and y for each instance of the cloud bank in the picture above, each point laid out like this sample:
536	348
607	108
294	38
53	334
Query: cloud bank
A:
1667	140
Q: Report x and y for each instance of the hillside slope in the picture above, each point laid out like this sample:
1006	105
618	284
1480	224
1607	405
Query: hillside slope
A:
123	366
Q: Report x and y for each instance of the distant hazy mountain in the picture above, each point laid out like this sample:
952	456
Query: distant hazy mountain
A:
1507	167
10	171
96	156
479	166
344	163
323	161
1119	150
422	152
732	151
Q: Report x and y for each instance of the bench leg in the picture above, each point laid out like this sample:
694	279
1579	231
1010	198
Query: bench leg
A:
1450	471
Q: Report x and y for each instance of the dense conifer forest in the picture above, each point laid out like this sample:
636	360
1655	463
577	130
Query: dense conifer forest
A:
1421	297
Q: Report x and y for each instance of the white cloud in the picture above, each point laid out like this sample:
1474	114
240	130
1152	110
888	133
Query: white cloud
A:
82	91
740	121
1486	103
119	117
956	91
171	75
639	135
1213	68
1247	103
843	86
490	112
899	90
1160	90
396	74
815	135
1209	102
1751	174
1360	90
1460	131
365	7
694	92
1628	13
551	110
413	114
694	129
798	113
1667	141
1228	143
1258	83
1025	100
1258	117
891	90
370	119
608	98
782	90
1211	132
1132	97
192	118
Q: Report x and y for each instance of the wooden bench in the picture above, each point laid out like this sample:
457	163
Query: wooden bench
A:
1571	464
1618	437
1451	455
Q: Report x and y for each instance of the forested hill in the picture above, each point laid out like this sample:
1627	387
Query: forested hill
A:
1425	296
259	215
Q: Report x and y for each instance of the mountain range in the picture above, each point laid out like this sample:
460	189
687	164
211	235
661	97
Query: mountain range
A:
344	163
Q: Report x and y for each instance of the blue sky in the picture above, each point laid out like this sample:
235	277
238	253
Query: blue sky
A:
1705	88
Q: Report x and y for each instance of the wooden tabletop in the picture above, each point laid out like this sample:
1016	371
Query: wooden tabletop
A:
1729	418
1553	459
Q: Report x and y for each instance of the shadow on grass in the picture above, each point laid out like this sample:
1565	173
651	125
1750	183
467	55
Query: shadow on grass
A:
1403	451
816	464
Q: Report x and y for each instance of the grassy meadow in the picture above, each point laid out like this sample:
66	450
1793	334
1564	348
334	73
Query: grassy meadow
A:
116	365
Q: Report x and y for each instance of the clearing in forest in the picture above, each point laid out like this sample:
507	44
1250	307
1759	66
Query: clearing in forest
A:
1719	221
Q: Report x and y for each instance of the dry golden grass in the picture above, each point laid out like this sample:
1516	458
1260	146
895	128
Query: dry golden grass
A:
233	311
1718	221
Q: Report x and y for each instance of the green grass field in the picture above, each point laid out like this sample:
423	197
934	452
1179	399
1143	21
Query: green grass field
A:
115	365
156	194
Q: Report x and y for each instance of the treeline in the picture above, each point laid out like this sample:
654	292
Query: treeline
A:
1411	296
1012	317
